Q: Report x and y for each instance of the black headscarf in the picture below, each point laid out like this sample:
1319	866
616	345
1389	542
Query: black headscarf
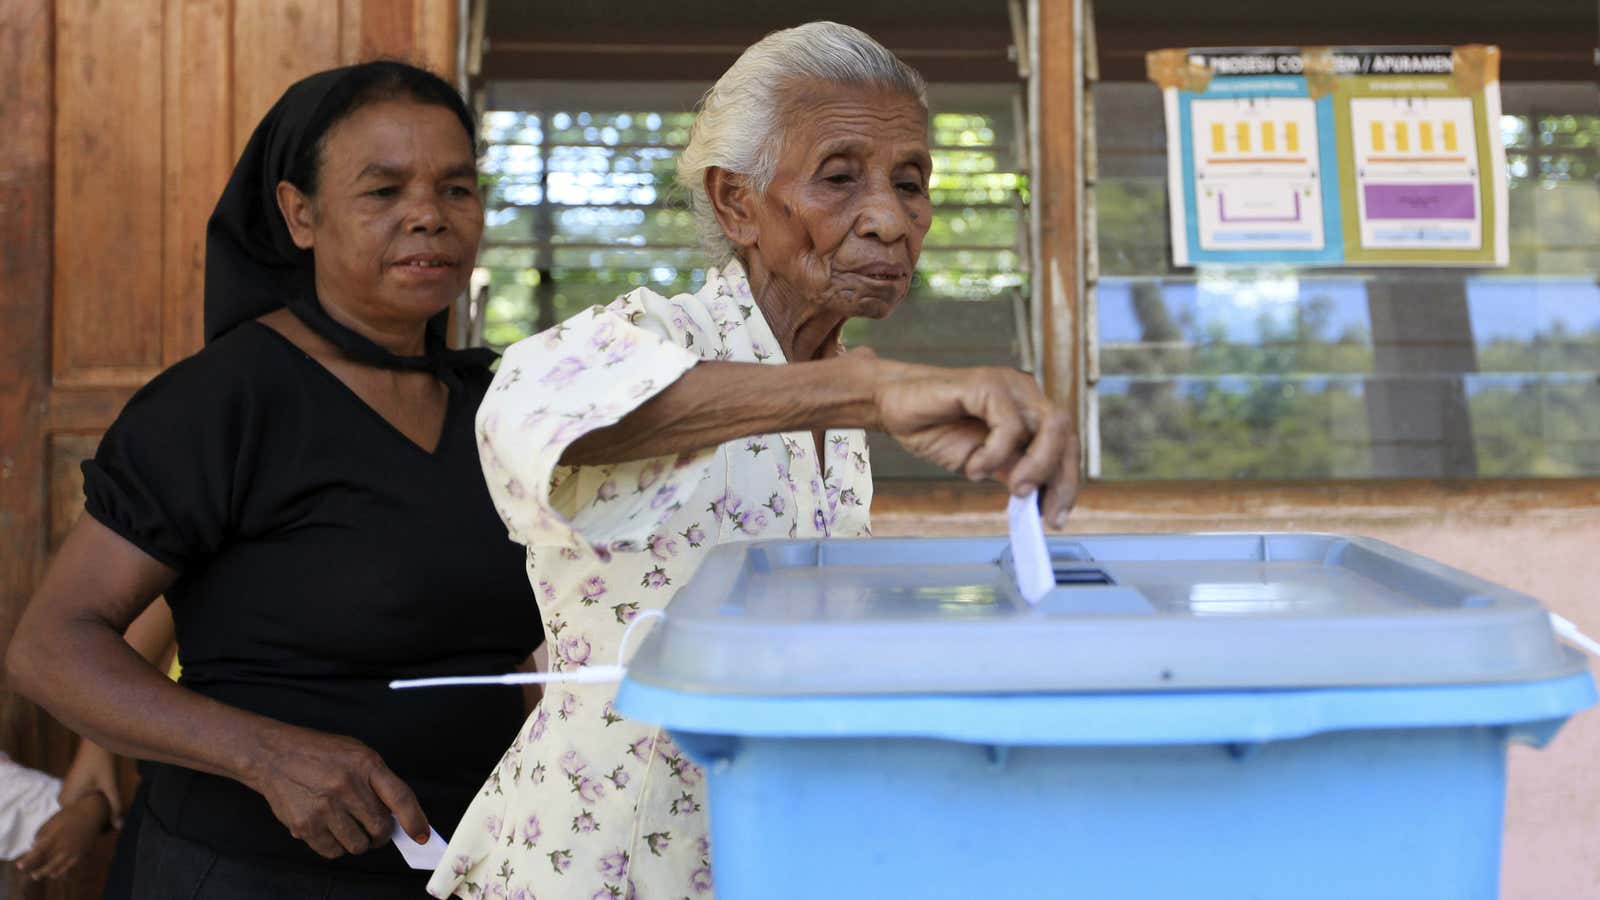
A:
253	266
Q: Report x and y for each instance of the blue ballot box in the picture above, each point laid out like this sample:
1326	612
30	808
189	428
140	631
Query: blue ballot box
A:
1183	717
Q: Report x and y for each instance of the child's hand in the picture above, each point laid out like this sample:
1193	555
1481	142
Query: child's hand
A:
64	839
93	769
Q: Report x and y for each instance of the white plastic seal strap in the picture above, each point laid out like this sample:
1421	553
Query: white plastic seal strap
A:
585	675
1570	633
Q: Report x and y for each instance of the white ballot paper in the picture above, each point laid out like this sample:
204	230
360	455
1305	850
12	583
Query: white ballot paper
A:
1029	555
419	856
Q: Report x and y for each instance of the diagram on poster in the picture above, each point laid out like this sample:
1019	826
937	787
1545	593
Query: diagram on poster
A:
1257	174
1416	173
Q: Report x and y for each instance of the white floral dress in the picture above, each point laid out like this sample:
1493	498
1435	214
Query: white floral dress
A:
587	805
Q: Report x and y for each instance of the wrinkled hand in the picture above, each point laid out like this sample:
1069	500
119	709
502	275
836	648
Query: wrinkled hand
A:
65	837
983	423
335	793
93	771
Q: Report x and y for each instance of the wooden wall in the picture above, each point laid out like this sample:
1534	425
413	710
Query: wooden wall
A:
119	123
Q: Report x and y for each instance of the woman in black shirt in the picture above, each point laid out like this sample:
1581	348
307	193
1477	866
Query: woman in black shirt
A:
306	493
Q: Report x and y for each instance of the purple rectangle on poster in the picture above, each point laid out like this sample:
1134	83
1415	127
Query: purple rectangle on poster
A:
1421	201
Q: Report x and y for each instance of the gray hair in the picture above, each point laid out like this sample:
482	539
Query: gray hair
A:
738	124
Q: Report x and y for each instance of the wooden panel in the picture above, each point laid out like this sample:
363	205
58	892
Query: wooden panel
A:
275	44
84	410
1057	191
350	31
25	195
436	40
385	30
199	156
109	197
26	95
421	32
67	452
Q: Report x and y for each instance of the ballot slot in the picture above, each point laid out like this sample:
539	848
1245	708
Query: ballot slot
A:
1078	575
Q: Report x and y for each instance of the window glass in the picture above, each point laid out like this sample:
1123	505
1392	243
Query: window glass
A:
1220	372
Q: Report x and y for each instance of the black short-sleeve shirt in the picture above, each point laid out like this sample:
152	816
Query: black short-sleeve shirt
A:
320	553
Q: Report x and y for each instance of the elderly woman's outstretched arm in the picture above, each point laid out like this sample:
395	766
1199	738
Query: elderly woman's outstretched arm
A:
982	423
597	429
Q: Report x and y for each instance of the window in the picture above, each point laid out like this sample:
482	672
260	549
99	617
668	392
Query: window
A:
1220	372
582	208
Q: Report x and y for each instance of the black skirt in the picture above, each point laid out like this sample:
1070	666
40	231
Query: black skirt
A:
168	867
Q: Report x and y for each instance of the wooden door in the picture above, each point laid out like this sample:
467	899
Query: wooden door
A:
119	123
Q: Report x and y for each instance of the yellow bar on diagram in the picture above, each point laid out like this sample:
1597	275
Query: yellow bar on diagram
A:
1241	131
1219	138
1269	137
1291	136
1450	142
1402	137
1425	138
1377	137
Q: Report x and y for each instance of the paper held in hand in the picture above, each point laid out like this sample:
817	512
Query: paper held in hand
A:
419	856
1029	554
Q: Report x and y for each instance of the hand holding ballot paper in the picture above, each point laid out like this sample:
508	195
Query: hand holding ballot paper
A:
984	423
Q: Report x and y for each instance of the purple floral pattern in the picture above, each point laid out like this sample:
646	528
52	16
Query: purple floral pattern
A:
586	803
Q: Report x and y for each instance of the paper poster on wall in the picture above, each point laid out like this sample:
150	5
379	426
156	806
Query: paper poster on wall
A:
1327	157
1248	161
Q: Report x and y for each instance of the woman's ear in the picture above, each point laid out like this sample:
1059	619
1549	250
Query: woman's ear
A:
734	203
298	213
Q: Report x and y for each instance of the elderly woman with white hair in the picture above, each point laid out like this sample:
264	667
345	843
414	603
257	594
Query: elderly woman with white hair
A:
625	443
